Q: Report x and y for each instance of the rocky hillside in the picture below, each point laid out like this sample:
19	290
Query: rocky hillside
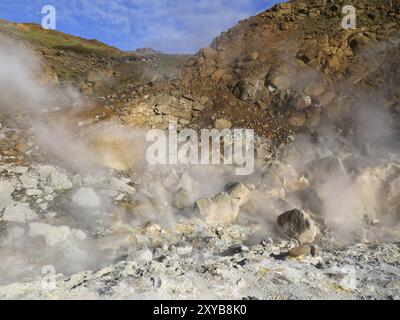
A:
295	65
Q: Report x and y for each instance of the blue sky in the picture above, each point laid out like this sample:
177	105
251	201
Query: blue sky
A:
181	26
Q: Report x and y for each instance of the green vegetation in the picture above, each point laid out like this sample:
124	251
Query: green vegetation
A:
58	40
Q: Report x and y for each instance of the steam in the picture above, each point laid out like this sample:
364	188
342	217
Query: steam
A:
18	70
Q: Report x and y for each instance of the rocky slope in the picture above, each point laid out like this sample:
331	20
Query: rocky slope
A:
318	219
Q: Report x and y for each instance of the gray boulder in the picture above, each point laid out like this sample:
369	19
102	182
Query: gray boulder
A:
221	209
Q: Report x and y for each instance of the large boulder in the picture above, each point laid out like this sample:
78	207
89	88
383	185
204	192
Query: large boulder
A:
298	225
209	53
224	207
221	209
86	197
318	170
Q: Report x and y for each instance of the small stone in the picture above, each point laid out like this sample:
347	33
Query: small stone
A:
119	197
48	190
77	180
218	75
14	233
91	180
300	252
253	55
6	190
